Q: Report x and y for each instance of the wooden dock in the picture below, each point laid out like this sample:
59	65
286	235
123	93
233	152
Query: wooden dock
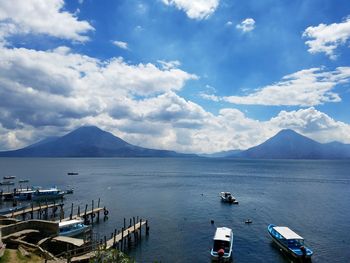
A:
119	240
31	210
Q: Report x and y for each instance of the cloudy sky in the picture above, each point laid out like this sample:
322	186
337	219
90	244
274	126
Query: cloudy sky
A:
191	76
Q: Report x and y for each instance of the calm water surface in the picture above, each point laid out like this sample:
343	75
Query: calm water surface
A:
179	197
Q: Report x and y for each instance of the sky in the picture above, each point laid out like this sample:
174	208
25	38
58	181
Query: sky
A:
198	76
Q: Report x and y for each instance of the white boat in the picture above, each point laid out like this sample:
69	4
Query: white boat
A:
72	228
47	194
227	197
289	241
222	245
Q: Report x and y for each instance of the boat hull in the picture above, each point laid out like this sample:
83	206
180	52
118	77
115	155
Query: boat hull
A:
74	232
285	248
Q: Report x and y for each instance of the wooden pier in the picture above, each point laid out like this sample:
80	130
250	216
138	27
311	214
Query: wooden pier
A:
120	240
43	211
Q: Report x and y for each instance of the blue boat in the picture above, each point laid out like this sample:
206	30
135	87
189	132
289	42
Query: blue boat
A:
289	241
72	228
47	194
222	246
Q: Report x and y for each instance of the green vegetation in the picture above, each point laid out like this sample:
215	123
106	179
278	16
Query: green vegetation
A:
111	256
6	257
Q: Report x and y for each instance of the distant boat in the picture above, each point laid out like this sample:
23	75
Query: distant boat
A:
23	181
9	177
72	173
227	197
222	245
72	228
69	191
289	241
7	183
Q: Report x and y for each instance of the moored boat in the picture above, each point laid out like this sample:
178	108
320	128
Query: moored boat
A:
7	183
23	181
9	177
47	194
227	197
222	244
72	228
72	173
289	241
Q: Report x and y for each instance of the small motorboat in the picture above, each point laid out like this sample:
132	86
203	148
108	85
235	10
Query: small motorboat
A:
69	191
9	177
23	181
7	183
289	241
222	245
72	227
72	173
227	197
248	221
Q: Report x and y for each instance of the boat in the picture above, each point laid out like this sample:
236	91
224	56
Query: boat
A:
7	183
72	227
23	195
9	177
289	241
227	197
69	191
23	181
222	245
72	173
47	194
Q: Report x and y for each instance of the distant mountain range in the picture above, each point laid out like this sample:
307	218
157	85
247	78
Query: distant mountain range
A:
287	144
88	141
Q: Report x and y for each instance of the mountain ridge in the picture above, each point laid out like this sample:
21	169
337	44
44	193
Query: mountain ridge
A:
88	141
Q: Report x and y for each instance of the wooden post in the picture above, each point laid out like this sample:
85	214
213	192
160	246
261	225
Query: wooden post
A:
140	229
85	217
32	212
147	228
105	242
122	241
92	212
130	223
115	233
124	223
134	223
129	239
98	203
71	212
78	214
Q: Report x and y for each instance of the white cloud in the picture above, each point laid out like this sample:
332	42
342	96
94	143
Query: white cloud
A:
246	25
327	38
313	123
229	23
121	44
41	17
169	64
307	87
195	9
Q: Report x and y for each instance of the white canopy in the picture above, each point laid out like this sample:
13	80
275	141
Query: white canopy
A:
70	222
223	233
287	233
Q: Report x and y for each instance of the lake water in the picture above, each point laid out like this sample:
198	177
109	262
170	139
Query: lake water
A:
179	197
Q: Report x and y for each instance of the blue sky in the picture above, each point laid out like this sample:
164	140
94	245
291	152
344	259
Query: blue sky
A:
191	76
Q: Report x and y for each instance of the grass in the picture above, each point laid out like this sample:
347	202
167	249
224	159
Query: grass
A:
14	256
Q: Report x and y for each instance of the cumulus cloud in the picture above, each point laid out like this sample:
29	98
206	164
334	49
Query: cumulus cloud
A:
195	9
246	25
327	38
307	87
120	44
313	123
41	17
